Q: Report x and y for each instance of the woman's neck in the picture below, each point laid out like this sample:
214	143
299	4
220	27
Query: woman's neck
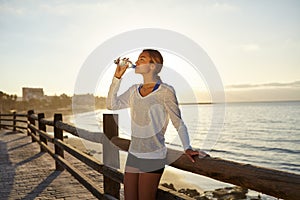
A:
149	79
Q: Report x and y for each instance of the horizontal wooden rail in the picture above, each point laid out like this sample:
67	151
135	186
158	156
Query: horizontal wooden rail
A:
88	160
20	127
95	190
7	120
21	115
22	121
11	114
6	115
72	129
14	126
112	174
66	127
33	116
268	181
47	122
79	132
13	120
50	138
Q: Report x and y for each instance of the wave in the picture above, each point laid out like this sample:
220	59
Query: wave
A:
279	150
244	146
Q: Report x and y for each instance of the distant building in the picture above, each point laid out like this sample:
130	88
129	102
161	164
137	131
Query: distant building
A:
32	93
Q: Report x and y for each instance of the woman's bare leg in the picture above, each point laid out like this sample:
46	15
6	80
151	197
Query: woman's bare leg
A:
131	181
148	185
131	186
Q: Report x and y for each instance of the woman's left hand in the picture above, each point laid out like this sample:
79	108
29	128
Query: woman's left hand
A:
190	153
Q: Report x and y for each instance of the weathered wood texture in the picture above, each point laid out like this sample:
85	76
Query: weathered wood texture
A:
31	121
58	134
42	127
110	153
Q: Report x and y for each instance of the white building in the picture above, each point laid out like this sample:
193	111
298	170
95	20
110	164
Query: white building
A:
32	93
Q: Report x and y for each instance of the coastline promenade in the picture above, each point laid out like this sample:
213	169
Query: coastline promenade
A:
28	165
27	173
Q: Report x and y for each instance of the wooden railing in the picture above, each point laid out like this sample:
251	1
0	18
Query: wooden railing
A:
268	181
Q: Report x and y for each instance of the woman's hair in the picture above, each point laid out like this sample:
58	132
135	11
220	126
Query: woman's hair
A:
156	58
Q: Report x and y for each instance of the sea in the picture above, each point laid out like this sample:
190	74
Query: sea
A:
265	134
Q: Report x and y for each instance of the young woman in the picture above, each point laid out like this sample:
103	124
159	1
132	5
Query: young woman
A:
151	105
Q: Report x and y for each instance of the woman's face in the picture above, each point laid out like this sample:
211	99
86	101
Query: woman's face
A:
143	65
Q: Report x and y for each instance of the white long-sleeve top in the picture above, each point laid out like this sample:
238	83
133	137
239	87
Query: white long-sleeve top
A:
149	118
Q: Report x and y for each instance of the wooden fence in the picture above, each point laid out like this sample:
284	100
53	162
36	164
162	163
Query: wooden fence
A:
268	181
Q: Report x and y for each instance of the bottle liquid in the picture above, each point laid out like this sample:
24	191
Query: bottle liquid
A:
122	62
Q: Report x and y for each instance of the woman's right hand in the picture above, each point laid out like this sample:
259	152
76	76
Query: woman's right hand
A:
120	70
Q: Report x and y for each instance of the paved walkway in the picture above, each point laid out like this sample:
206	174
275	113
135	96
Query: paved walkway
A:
25	173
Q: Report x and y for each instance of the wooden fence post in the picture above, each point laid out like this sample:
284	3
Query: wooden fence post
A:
14	122
58	134
42	127
32	122
111	153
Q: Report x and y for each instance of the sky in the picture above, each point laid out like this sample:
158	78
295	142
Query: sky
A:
255	45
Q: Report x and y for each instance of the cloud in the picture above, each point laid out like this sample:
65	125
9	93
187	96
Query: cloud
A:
55	8
6	9
224	7
265	94
76	8
250	47
295	84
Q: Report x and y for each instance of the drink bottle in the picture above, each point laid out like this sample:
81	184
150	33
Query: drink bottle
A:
122	62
